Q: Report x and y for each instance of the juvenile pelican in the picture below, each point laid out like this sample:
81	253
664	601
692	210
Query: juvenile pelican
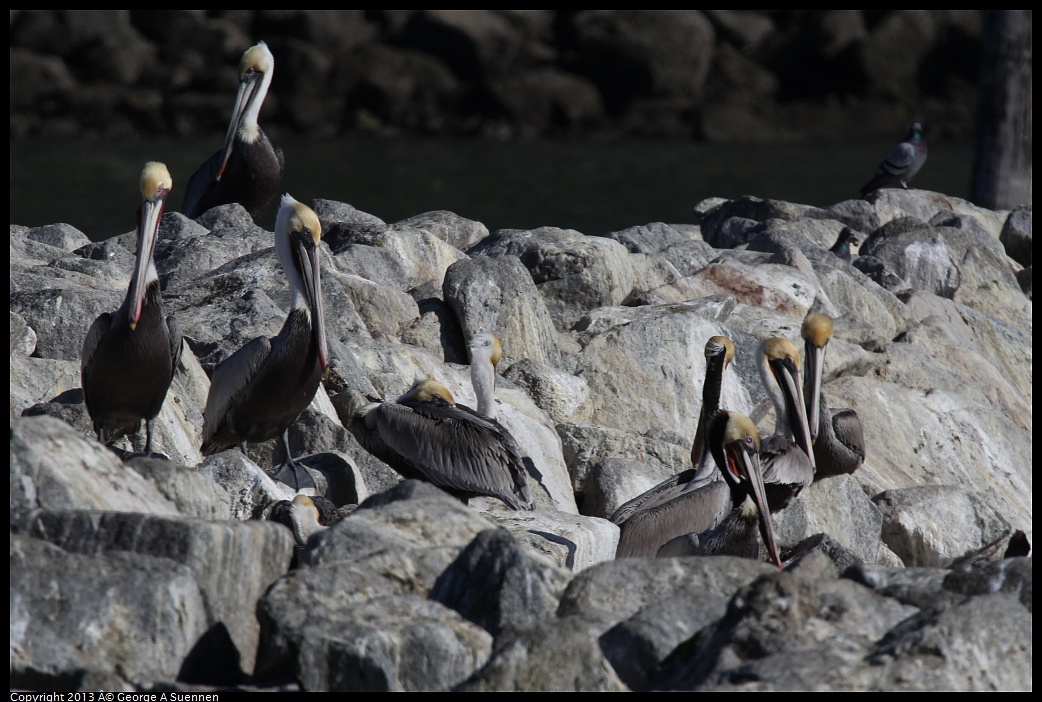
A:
839	439
248	169
787	457
720	517
719	353
485	354
259	391
427	436
129	356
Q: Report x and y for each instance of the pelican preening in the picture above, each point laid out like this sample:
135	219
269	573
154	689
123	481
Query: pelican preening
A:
129	356
839	439
787	457
719	517
427	436
259	391
248	169
719	353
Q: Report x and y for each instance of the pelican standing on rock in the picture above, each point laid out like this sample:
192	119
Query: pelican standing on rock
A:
787	456
259	391
719	517
129	356
248	169
425	435
839	439
485	353
719	353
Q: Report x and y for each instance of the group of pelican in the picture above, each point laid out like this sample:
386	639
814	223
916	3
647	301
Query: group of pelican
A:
724	502
722	505
130	356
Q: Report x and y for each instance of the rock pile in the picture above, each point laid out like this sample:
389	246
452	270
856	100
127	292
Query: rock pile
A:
154	574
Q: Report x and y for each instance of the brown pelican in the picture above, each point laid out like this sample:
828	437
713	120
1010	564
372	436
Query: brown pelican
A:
720	517
719	353
427	436
485	354
306	515
259	391
129	356
839	440
787	457
248	169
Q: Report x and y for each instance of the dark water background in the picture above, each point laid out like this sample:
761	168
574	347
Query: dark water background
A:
595	188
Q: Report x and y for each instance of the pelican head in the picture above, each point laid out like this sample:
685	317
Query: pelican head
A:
486	345
427	390
720	345
255	71
155	184
780	374
298	235
816	333
735	445
719	353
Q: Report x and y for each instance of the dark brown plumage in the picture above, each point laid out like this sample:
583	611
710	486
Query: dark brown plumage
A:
129	356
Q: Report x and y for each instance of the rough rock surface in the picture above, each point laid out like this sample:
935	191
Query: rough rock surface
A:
132	573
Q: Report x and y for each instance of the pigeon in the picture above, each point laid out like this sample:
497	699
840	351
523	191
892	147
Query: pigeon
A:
902	163
847	238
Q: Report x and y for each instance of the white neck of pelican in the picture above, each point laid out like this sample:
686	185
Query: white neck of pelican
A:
782	420
284	252
483	377
249	130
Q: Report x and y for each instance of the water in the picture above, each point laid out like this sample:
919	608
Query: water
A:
595	188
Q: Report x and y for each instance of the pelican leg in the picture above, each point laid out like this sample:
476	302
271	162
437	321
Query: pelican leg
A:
293	467
148	438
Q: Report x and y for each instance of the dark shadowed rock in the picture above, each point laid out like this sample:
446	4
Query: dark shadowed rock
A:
497	584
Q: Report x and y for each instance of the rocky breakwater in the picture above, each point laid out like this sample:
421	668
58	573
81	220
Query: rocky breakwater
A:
143	573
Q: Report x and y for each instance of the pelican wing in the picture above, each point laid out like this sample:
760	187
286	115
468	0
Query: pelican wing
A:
692	511
96	332
200	184
456	448
840	447
786	470
668	489
176	343
230	378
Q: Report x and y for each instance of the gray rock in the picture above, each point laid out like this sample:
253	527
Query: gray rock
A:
496	294
1016	236
499	586
558	654
982	643
574	273
109	619
250	554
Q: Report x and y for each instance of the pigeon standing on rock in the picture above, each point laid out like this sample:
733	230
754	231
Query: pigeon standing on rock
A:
902	163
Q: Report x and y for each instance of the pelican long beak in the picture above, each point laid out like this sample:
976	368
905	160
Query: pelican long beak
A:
812	386
307	259
788	376
744	460
144	269
248	90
